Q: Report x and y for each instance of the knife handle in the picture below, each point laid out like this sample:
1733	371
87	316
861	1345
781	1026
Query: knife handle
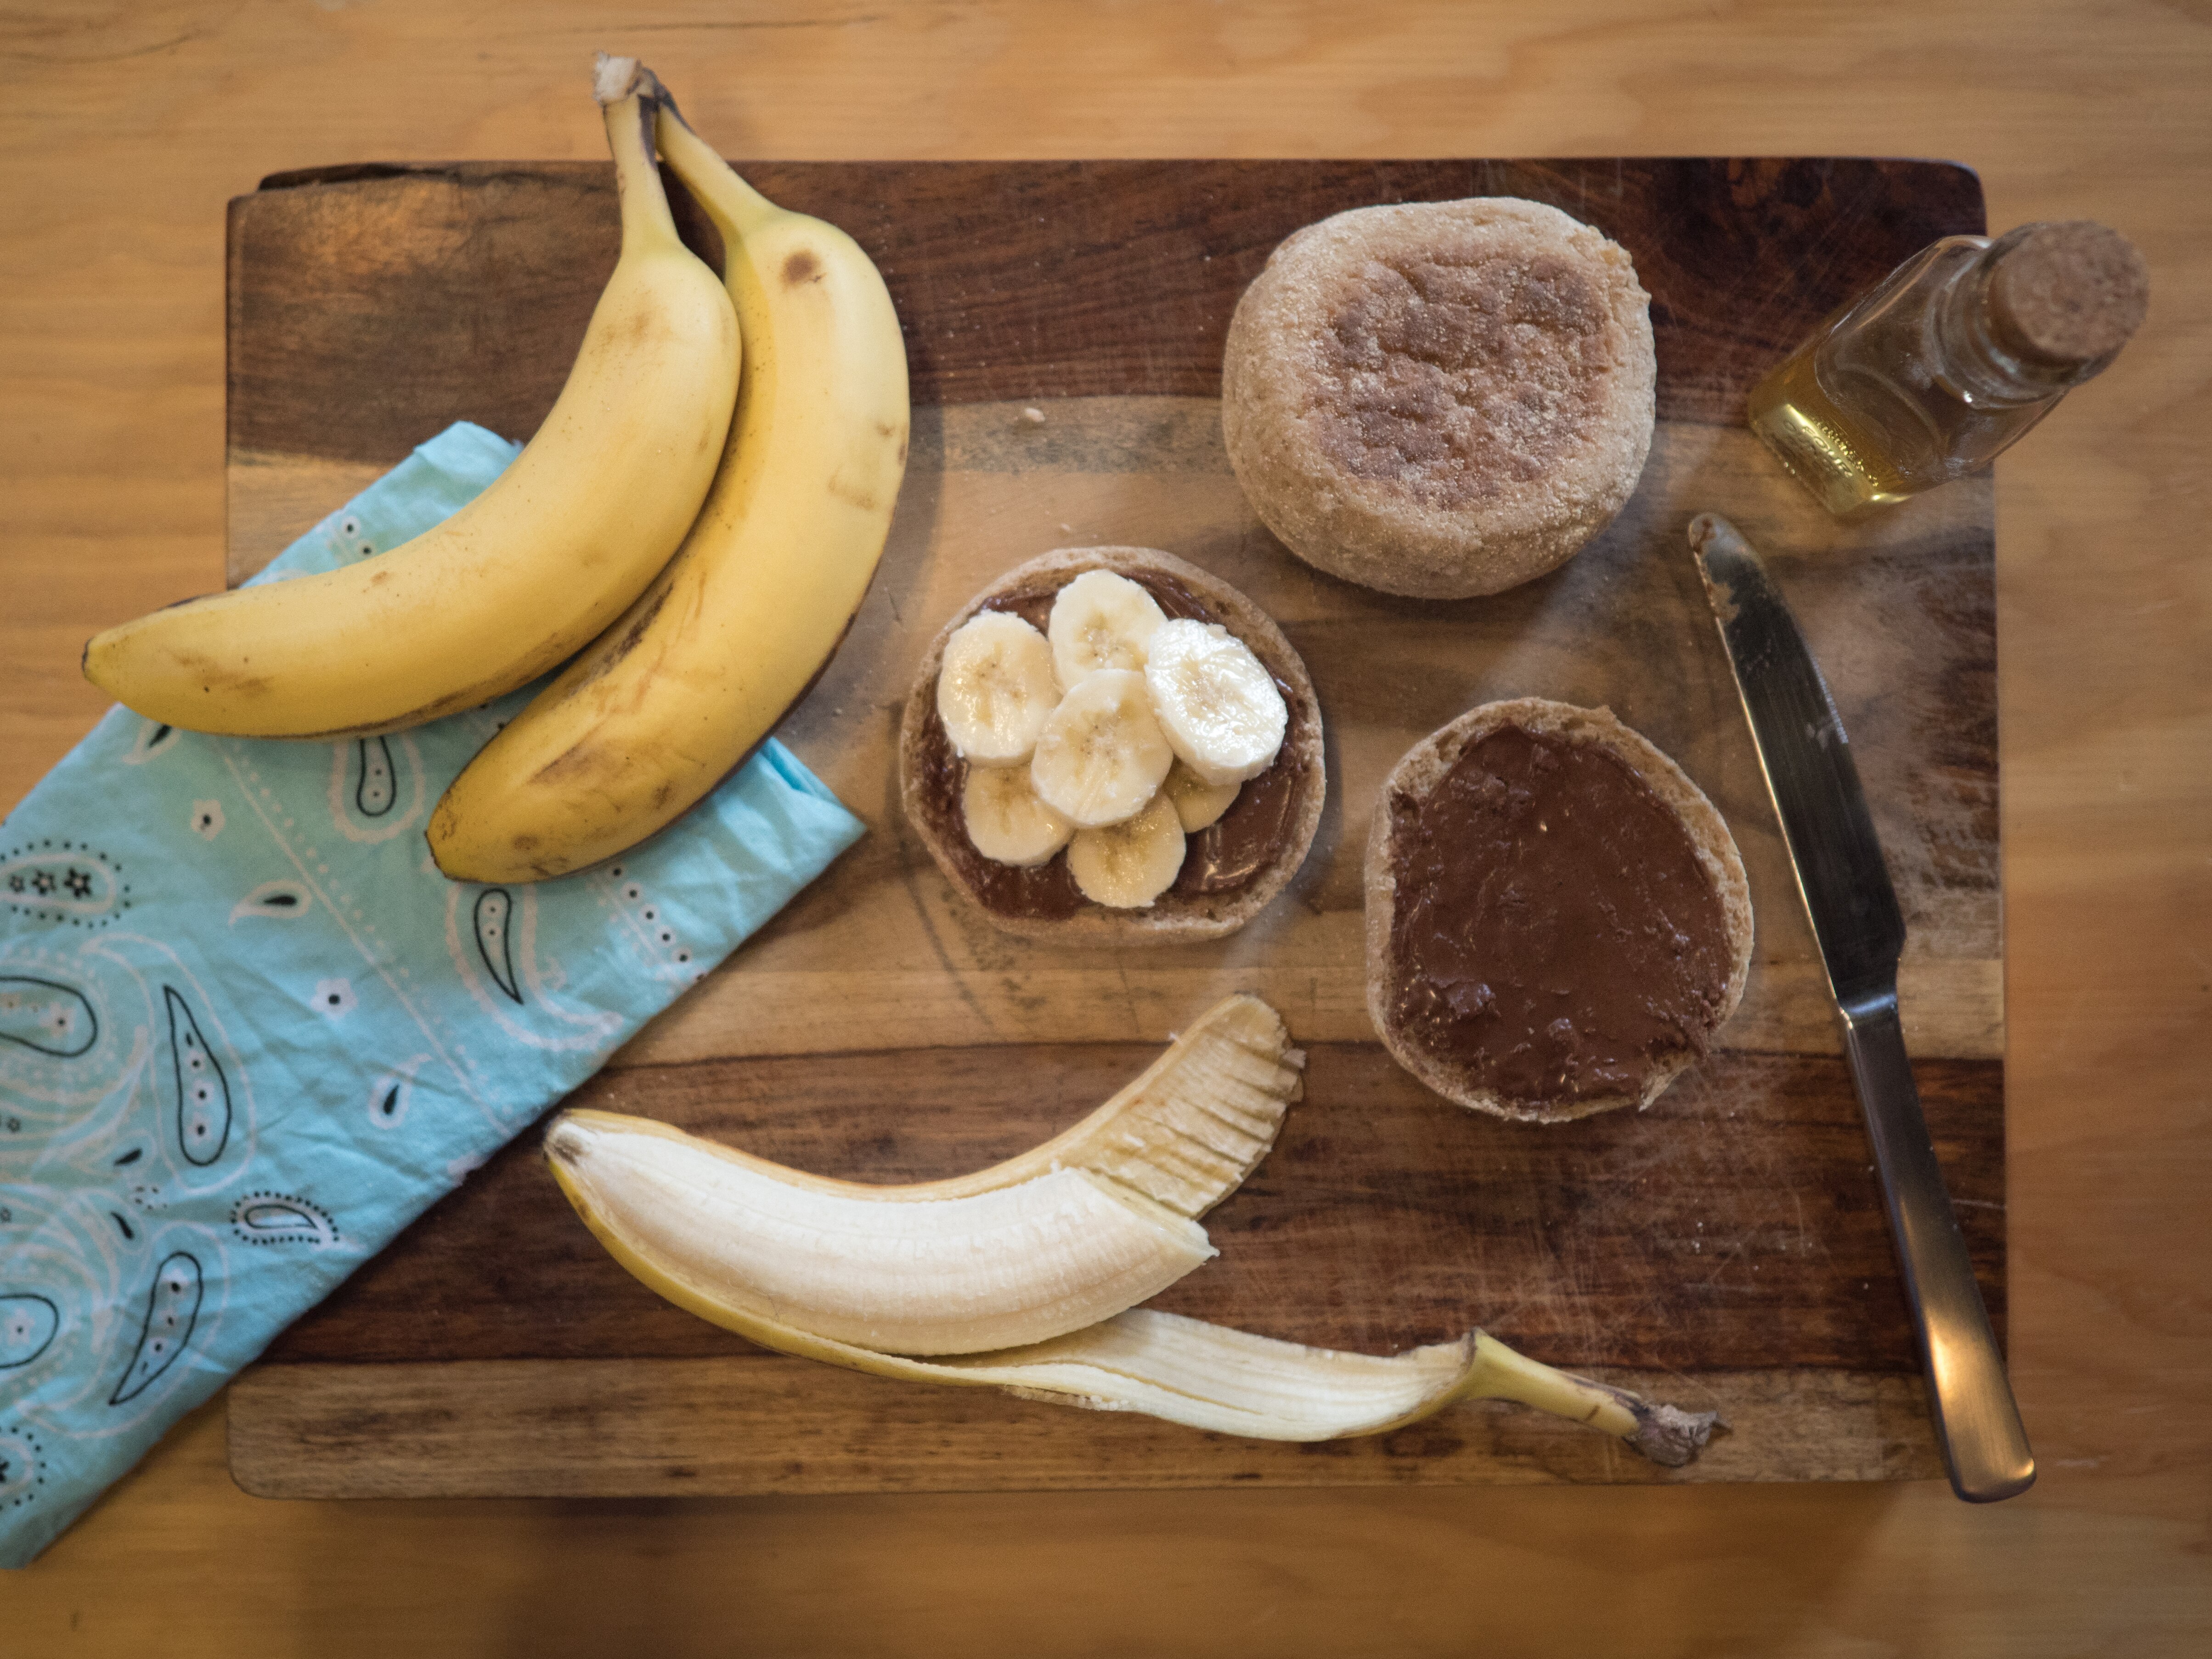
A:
1977	1421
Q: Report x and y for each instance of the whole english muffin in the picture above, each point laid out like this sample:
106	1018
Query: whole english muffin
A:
1440	399
1567	875
1281	808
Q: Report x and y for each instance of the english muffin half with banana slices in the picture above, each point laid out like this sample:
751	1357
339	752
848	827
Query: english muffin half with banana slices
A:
1110	744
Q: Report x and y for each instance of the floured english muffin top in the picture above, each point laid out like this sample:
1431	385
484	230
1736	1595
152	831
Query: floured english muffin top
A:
1440	399
1463	373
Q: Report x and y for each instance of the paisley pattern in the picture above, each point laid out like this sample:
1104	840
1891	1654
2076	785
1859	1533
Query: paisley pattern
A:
247	1031
495	907
62	880
393	1092
493	938
173	1307
279	900
152	740
28	1324
378	788
202	1096
281	1218
374	789
22	1466
45	1015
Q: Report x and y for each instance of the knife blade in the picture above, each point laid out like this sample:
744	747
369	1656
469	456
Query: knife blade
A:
1805	757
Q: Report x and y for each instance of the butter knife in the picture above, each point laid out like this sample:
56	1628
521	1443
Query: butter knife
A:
1807	758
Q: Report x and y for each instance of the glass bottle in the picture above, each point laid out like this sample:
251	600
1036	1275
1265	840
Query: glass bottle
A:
1951	359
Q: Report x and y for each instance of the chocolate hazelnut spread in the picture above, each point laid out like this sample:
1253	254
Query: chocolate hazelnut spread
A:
1226	855
1553	932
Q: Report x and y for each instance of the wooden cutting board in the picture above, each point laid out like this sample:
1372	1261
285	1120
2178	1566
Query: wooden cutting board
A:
1724	1249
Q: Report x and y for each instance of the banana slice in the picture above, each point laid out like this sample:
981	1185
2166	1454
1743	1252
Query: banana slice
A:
1101	756
1197	802
1129	864
1218	705
996	688
1006	822
1100	620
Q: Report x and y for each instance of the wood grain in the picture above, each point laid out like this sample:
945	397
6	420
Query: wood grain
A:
1070	280
1385	1219
660	1428
132	127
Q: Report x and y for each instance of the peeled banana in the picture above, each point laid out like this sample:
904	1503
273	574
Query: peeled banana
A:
1011	1265
689	681
1184	1135
1058	1239
523	575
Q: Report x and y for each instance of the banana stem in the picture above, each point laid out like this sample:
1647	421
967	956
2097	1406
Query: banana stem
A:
737	209
622	88
1663	1433
1499	1373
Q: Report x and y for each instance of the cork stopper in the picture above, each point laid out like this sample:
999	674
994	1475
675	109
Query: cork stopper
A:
2067	294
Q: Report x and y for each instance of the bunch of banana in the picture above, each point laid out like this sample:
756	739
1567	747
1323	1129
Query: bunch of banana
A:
1025	1276
688	682
704	540
519	580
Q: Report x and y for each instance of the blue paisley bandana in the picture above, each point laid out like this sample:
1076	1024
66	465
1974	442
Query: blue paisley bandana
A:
248	1032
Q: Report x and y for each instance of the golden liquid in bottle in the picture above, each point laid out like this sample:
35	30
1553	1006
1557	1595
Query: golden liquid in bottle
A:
1840	460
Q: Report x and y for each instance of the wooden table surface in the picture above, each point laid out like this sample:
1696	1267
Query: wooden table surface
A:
129	127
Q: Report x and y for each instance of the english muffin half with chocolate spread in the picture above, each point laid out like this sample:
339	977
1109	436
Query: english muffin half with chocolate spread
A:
1440	399
1557	921
1238	856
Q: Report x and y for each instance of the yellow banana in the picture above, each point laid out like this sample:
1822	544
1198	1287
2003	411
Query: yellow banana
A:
526	574
682	687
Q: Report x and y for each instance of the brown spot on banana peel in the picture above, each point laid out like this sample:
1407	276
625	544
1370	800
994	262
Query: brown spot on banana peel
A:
577	758
632	635
853	496
902	431
245	685
801	267
408	721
